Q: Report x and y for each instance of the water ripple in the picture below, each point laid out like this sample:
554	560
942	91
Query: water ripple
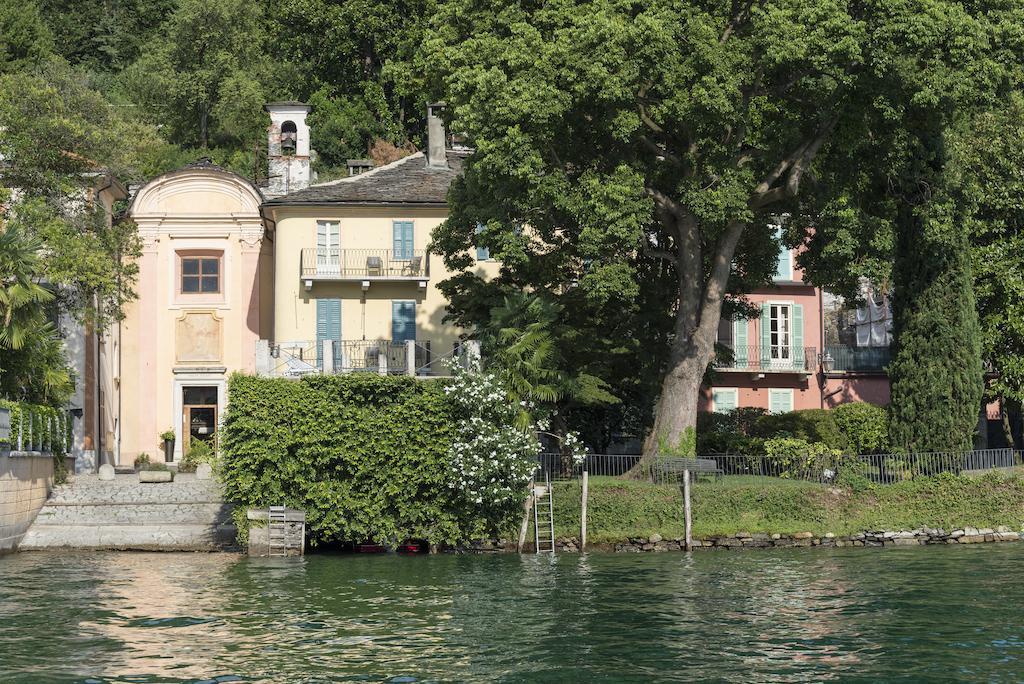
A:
936	613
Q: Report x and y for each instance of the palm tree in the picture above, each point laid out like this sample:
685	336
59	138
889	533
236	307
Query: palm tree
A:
21	297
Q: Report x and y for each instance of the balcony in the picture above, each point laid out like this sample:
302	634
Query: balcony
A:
417	358
760	360
338	264
840	358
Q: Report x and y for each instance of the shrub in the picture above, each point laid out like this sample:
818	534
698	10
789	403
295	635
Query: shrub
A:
810	425
794	457
141	460
167	435
371	457
864	426
199	451
729	433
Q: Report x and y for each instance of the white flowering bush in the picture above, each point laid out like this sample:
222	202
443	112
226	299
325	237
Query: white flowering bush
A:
490	460
575	446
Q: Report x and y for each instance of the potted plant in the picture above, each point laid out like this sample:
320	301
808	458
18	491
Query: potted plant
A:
141	460
168	437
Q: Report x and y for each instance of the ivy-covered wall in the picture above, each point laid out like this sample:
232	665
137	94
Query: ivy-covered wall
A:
366	456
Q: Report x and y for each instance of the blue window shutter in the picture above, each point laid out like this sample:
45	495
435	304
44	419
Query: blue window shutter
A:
799	358
328	325
780	400
724	400
482	253
766	335
403	234
403	321
740	353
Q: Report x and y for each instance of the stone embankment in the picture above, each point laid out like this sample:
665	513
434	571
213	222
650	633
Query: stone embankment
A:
185	515
745	540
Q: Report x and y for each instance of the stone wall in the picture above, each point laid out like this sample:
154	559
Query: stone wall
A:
746	540
25	481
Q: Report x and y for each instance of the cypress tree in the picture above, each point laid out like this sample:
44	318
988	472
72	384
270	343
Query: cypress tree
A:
936	373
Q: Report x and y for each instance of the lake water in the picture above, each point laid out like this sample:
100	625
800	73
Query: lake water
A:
925	614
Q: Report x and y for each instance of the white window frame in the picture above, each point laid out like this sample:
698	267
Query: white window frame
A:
779	360
787	391
327	262
715	391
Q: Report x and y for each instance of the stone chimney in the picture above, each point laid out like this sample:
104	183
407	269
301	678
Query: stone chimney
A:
288	153
436	138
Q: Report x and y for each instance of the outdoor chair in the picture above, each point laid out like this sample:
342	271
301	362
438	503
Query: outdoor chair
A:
413	266
374	265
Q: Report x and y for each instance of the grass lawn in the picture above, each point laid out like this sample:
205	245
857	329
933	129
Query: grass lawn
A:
619	509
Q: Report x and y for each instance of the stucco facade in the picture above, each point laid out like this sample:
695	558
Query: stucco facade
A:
366	297
204	299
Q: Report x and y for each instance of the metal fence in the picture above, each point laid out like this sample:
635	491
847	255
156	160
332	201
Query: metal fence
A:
334	262
875	468
862	359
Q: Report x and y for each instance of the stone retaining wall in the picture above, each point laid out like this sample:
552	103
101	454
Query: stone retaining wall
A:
25	481
745	540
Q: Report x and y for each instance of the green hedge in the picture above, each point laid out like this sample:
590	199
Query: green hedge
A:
39	428
364	455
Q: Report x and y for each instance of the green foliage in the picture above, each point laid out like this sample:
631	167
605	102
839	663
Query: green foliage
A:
618	509
167	435
685	447
811	425
864	427
794	457
730	433
366	456
141	460
39	428
151	466
25	40
936	372
199	451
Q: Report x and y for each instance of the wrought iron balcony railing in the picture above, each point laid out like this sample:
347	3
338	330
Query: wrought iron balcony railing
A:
772	359
336	263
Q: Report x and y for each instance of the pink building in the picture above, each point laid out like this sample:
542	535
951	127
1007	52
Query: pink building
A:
784	361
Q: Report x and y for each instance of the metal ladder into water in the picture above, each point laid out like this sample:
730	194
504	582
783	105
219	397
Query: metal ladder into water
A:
277	531
543	516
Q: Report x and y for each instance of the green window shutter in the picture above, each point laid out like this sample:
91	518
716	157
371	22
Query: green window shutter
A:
780	400
328	325
403	233
724	400
403	321
766	335
482	253
739	336
799	358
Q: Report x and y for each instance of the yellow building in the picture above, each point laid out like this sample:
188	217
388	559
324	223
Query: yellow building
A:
354	285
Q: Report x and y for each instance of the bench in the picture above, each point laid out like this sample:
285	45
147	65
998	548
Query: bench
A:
696	466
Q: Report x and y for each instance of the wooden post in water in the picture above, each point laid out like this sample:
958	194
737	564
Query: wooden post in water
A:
686	510
583	511
526	519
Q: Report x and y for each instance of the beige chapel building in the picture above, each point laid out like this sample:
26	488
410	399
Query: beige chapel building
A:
287	280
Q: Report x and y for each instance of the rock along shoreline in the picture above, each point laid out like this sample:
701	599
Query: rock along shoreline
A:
744	540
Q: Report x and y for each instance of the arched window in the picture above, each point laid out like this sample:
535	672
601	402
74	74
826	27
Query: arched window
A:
289	137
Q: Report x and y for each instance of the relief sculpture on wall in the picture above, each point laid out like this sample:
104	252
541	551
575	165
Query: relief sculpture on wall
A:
198	337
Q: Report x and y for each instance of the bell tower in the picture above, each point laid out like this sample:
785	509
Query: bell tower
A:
288	153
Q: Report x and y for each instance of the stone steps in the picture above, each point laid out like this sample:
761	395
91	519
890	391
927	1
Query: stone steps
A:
187	514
